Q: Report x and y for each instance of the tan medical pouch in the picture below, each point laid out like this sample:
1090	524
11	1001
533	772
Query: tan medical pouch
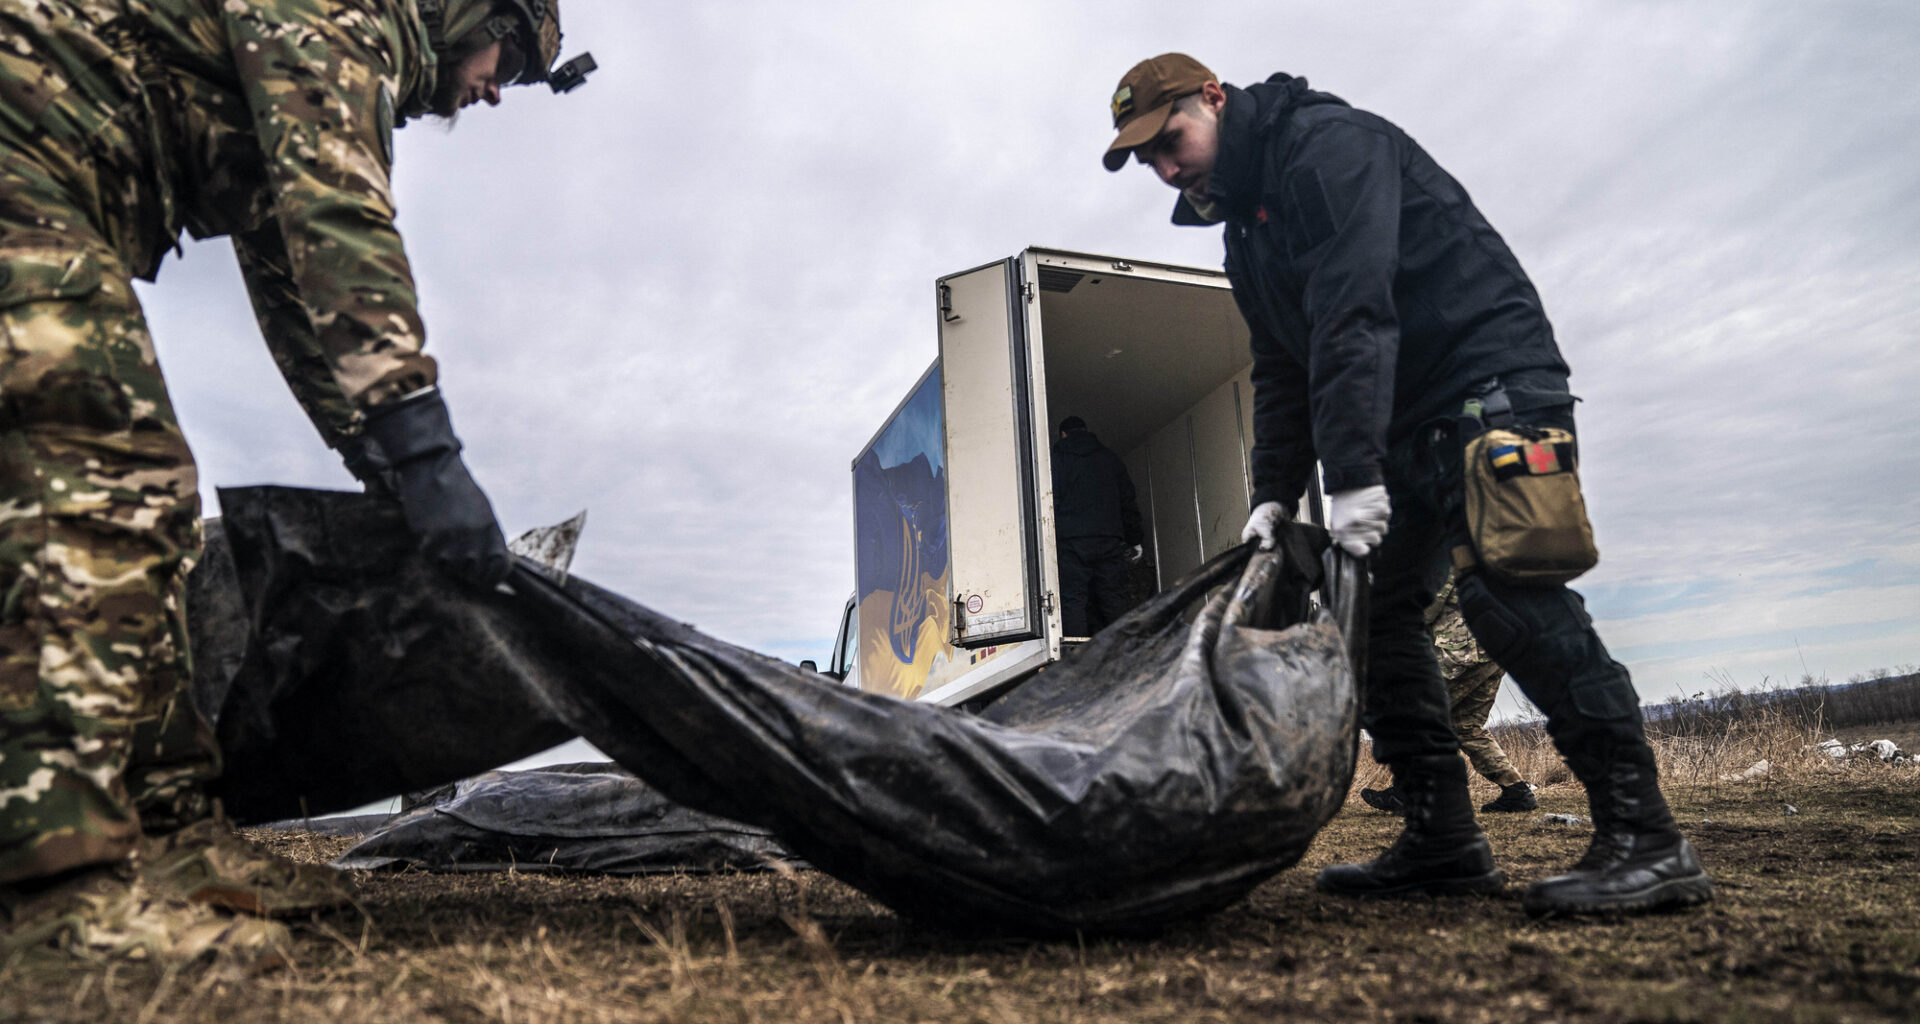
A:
1525	515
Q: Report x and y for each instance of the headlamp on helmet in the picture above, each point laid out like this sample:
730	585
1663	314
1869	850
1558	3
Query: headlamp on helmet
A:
540	33
531	28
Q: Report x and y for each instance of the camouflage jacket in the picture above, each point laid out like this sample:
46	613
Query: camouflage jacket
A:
267	120
1452	643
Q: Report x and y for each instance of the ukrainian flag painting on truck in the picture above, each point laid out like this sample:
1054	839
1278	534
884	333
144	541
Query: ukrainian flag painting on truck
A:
900	507
903	605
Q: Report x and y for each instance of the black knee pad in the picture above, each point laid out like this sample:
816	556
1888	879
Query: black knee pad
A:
1604	693
1499	630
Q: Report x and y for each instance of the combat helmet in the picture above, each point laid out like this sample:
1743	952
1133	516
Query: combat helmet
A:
534	26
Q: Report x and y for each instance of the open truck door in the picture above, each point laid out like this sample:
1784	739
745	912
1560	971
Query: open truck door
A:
955	530
998	579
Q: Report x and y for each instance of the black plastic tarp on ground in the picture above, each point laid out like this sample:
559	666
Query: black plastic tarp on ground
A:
573	817
1192	750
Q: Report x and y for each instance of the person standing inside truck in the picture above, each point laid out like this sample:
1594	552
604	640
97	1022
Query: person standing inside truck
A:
1096	526
1391	327
120	125
1473	683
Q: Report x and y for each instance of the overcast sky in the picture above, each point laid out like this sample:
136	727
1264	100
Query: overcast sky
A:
685	295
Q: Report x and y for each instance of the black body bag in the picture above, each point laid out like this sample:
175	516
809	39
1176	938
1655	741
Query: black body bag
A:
1191	750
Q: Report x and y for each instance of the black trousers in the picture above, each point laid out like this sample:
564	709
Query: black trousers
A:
1093	583
1541	635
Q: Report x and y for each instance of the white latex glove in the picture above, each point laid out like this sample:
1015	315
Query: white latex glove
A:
1136	553
1266	517
1360	518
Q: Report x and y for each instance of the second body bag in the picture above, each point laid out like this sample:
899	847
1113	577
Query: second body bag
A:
1525	515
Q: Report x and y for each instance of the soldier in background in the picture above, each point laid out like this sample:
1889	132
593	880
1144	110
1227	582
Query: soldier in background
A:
122	123
1097	529
1473	682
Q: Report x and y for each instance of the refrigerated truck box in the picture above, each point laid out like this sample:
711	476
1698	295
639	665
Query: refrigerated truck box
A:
957	585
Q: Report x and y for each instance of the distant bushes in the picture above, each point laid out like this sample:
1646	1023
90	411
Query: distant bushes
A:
1880	697
1702	739
1816	705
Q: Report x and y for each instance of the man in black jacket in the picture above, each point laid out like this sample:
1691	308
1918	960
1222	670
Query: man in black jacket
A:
1096	527
1380	303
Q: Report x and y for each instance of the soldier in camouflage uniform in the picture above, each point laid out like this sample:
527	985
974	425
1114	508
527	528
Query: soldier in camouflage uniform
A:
123	122
1471	686
1473	681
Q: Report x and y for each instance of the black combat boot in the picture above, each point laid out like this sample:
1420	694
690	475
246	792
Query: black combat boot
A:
1440	850
1638	860
1512	799
1387	799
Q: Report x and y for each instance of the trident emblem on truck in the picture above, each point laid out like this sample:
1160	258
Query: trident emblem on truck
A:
909	597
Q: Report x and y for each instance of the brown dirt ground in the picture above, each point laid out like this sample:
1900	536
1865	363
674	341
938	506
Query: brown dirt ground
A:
1814	920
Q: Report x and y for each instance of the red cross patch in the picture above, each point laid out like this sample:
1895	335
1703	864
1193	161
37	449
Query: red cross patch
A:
1542	459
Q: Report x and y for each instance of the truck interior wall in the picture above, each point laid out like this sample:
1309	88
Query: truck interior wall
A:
1219	468
1176	522
1160	371
1141	473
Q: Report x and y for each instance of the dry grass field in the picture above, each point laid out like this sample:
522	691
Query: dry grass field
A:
1817	918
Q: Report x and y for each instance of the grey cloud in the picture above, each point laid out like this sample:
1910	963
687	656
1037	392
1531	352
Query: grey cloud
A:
685	295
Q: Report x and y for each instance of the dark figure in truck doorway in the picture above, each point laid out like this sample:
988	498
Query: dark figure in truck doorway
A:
1096	523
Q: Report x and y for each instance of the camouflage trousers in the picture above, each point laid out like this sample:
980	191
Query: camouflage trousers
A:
99	523
1471	695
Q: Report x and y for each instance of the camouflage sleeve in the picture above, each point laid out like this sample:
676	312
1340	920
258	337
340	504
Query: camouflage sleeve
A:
322	78
289	334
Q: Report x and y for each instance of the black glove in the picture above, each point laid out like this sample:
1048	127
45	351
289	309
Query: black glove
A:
408	451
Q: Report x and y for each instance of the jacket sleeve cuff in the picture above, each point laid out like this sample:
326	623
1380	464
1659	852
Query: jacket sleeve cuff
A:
1348	478
1289	501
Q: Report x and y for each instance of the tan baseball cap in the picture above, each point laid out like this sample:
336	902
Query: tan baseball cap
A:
1145	98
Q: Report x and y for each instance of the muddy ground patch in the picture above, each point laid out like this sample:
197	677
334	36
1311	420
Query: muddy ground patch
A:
1817	918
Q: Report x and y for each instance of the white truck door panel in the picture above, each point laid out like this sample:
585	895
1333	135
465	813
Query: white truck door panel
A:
992	524
1176	513
1219	470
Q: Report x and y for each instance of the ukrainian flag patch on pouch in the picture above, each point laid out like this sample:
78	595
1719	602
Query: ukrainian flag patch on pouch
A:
1536	458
